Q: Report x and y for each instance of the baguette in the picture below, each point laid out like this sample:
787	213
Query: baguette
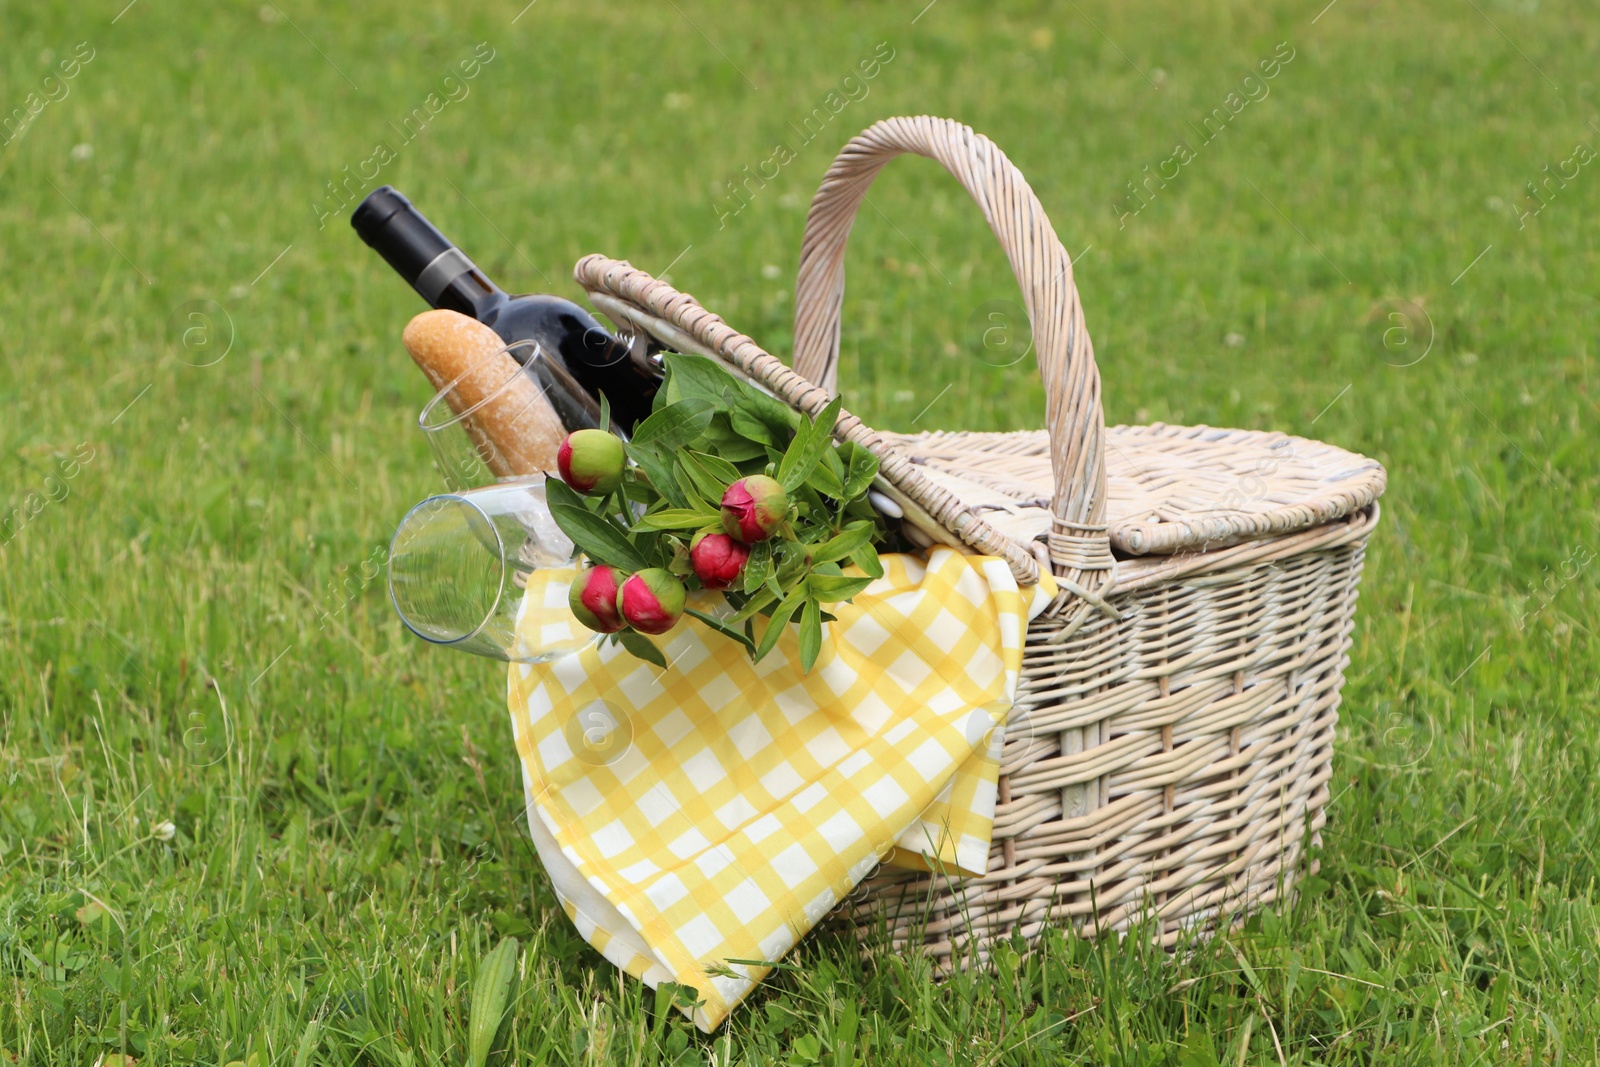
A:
517	432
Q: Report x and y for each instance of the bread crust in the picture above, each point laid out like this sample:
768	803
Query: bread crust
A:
517	431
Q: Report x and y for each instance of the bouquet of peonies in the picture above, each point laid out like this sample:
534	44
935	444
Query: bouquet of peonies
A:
724	488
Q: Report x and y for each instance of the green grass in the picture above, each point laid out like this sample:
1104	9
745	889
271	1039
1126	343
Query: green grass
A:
188	635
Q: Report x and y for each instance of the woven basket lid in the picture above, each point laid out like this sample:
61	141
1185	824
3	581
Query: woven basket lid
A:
1169	489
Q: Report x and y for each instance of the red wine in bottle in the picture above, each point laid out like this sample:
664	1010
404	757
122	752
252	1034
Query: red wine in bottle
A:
603	364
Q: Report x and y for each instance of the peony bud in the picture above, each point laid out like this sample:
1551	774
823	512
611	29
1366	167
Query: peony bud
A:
651	601
593	599
753	508
718	559
591	461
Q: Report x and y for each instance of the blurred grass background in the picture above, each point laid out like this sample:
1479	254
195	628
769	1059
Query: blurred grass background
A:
191	631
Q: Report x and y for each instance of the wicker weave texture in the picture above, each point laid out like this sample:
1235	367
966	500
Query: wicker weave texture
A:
1169	765
1170	750
1168	488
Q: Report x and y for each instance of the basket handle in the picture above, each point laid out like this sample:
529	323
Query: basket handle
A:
1043	271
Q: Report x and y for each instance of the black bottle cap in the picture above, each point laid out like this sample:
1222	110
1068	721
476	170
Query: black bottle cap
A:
398	232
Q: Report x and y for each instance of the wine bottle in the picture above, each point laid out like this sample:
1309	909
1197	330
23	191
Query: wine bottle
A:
619	368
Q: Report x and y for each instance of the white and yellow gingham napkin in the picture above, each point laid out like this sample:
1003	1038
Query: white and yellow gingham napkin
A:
716	810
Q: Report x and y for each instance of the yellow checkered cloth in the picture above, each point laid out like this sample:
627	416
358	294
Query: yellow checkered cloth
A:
716	810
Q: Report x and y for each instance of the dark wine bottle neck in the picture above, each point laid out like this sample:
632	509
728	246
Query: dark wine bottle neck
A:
429	262
454	282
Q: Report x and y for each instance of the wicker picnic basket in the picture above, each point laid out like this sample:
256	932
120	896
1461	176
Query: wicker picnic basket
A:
1170	751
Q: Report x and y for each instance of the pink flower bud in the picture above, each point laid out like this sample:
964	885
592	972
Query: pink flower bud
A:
753	508
593	599
651	601
591	461
718	559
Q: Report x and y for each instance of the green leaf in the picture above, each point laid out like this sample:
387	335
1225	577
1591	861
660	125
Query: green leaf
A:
679	563
696	497
833	463
811	505
722	628
708	484
642	647
779	419
637	489
756	604
810	635
678	519
750	427
658	471
867	559
824	478
807	447
757	569
693	376
491	991
832	459
720	469
605	413
557	491
849	540
780	619
652	548
861	468
831	588
723	440
675	425
789	567
597	536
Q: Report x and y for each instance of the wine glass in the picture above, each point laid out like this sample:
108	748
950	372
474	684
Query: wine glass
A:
463	568
466	452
